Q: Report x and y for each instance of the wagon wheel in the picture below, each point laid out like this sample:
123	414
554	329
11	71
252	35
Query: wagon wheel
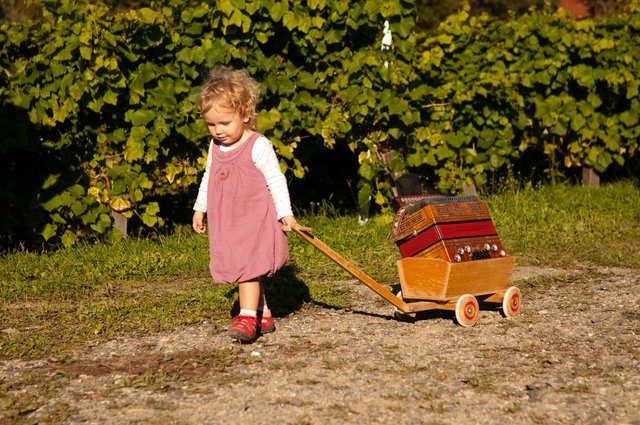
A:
400	315
511	302
467	309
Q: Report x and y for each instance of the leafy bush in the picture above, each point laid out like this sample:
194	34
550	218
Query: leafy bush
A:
541	85
99	109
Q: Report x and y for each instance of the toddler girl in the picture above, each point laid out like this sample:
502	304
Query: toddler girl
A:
245	197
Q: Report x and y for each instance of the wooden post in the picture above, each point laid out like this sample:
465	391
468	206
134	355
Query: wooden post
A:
120	222
590	177
387	159
469	189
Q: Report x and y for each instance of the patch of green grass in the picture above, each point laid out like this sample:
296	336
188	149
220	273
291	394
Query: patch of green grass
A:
365	246
575	388
566	225
410	370
37	327
479	384
53	301
101	267
542	283
398	396
29	344
334	364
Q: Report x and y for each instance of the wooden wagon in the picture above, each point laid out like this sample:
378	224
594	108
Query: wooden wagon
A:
452	259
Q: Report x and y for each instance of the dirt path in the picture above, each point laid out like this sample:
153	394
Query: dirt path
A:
571	356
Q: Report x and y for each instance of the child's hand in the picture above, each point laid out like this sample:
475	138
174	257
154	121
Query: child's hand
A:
198	222
288	223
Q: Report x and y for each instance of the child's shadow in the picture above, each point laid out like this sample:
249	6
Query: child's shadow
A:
285	293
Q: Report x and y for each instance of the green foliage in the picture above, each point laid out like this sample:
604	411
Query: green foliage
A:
113	96
101	106
432	12
541	83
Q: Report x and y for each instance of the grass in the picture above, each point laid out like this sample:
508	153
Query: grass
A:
569	225
54	301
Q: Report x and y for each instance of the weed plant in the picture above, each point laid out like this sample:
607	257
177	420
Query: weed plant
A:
53	301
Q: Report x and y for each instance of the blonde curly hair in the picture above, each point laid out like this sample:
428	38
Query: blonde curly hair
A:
231	89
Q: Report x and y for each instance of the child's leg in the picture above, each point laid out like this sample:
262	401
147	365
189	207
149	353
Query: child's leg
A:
265	318
262	304
251	294
248	299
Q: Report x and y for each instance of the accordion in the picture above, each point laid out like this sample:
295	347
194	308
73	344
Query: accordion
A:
452	228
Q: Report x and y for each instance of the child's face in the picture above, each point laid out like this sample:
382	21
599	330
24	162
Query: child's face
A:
225	125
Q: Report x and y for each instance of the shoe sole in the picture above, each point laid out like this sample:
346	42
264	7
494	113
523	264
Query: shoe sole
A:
268	330
238	336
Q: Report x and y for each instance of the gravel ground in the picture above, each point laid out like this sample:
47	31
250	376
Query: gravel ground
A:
570	356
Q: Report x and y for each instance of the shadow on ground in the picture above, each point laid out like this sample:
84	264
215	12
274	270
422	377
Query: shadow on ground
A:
286	293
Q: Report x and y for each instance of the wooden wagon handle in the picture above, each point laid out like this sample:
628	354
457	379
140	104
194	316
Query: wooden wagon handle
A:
306	234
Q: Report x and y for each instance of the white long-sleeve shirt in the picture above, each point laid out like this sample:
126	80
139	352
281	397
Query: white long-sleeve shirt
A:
265	160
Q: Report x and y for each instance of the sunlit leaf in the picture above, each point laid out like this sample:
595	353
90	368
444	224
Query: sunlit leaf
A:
120	204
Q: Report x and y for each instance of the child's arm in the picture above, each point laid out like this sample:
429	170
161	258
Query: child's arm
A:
265	159
201	200
200	206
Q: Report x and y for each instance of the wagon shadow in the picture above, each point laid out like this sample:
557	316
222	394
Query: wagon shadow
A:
419	317
427	315
424	315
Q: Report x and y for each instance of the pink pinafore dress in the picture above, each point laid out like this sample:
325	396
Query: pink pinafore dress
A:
246	240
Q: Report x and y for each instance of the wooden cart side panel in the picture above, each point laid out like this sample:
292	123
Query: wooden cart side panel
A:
481	277
423	278
439	280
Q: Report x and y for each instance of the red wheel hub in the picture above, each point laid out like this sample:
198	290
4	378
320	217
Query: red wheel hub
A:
515	303
470	310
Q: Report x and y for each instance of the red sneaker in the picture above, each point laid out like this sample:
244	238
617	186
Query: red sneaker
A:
244	328
267	325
